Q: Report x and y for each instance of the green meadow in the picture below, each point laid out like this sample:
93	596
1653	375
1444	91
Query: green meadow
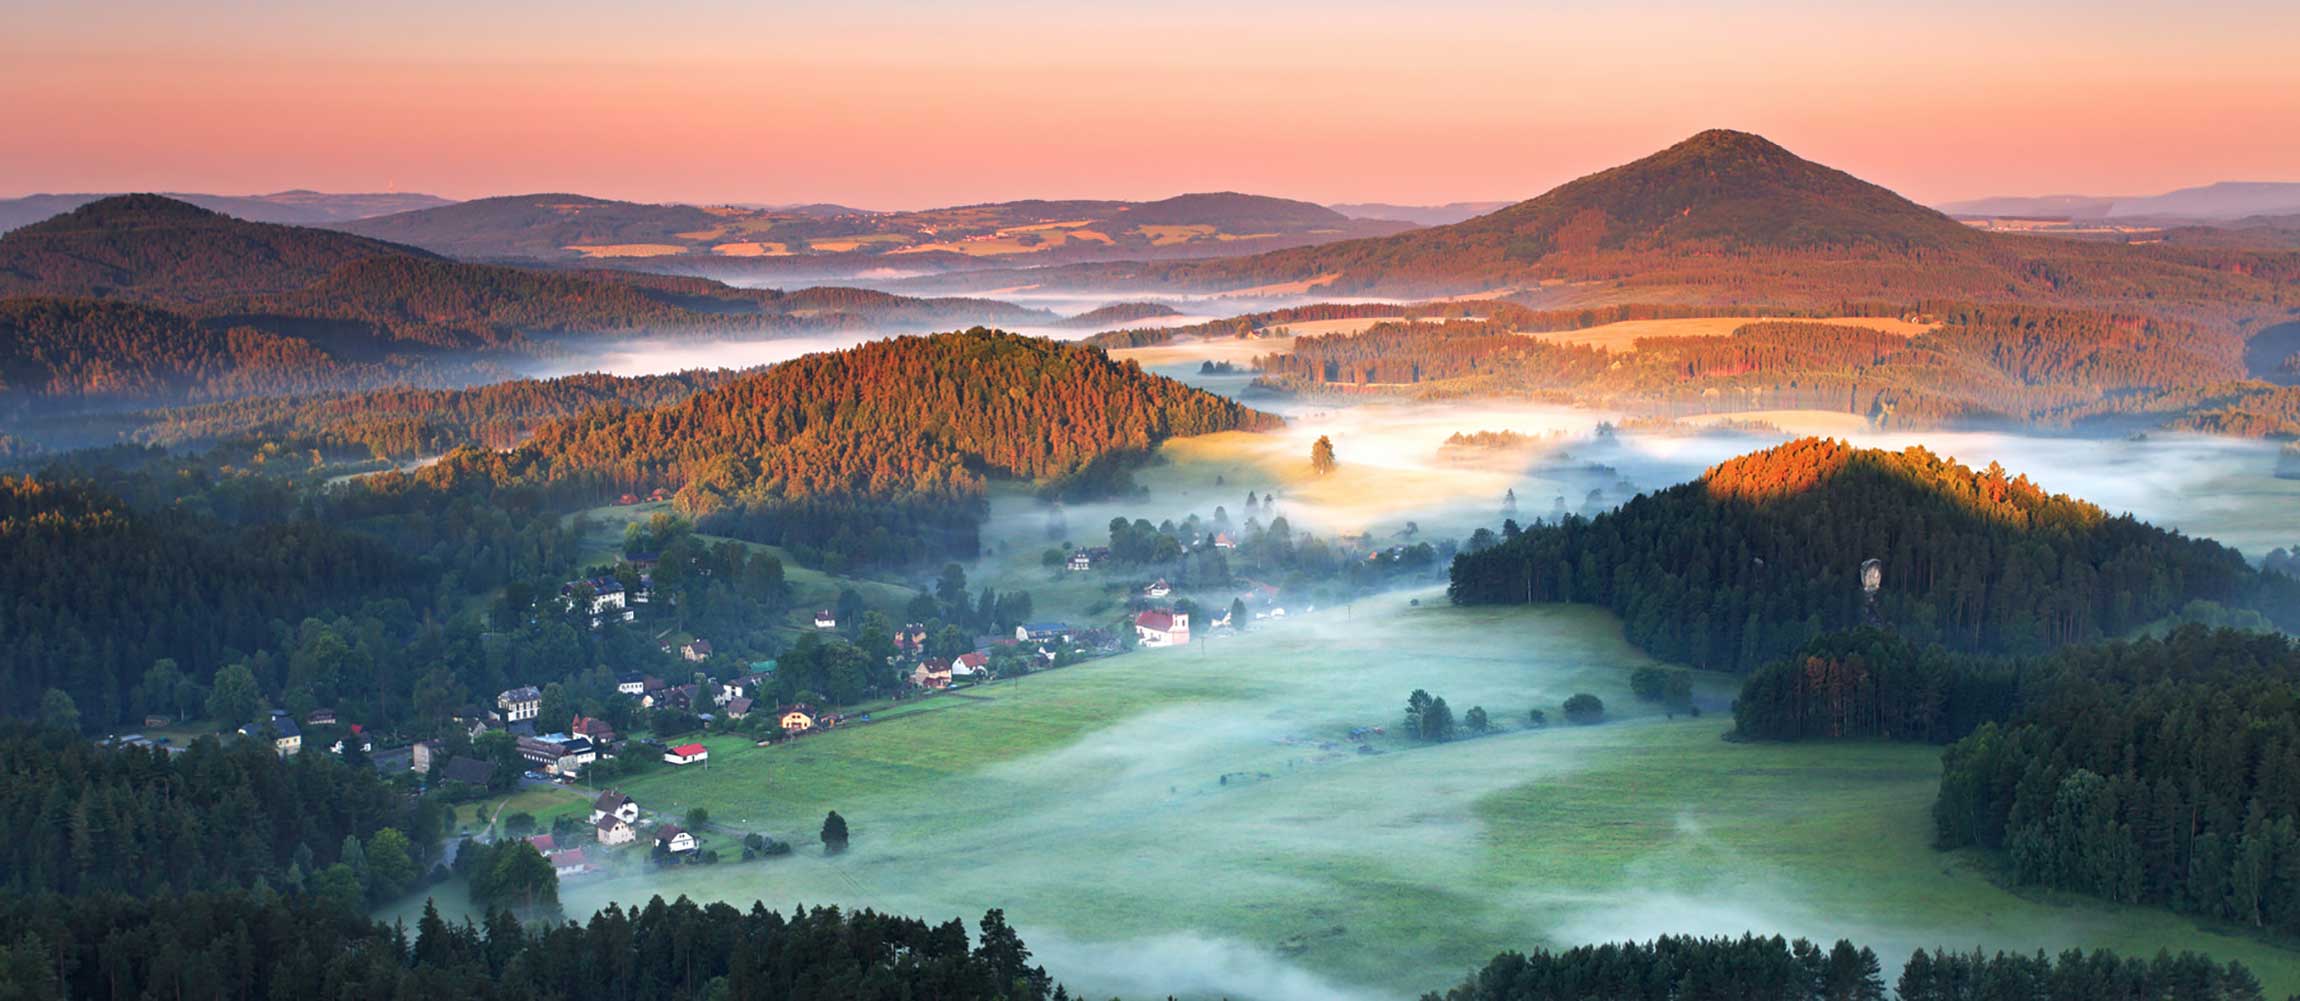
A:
1199	821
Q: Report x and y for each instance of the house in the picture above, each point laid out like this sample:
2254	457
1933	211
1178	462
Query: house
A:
911	638
613	803
696	652
544	843
633	683
1158	589
574	753
601	732
687	754
286	737
795	719
520	703
931	673
826	619
1042	632
1222	540
606	599
468	771
612	830
570	862
969	665
320	717
1162	627
358	736
671	838
155	721
423	756
674	697
659	494
739	708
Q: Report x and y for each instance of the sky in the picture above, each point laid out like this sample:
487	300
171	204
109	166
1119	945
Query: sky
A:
900	104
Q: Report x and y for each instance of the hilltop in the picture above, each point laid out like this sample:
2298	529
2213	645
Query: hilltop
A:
142	298
1765	551
298	207
873	450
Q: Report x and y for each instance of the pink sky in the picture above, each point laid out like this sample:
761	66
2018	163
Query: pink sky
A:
896	104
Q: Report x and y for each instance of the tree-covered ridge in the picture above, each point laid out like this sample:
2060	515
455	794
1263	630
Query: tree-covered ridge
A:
1763	552
406	422
148	246
891	439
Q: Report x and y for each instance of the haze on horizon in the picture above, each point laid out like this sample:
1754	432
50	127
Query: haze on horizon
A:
893	104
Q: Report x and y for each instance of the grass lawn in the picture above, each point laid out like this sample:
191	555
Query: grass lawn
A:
1198	821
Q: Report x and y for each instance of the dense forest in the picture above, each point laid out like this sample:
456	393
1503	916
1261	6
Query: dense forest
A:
247	947
1763	552
1751	968
2157	772
92	821
879	453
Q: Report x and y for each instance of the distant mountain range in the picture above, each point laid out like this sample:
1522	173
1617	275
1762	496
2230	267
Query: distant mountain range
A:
1420	215
1722	218
2224	201
561	228
141	298
301	208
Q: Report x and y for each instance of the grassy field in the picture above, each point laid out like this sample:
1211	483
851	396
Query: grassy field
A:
810	588
1622	336
1199	822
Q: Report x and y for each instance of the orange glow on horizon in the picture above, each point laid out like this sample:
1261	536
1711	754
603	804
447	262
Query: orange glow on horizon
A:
891	105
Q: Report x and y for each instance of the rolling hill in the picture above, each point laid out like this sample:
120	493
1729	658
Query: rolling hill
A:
298	207
143	299
1724	218
689	238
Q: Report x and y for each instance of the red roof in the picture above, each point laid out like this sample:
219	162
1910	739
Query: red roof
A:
1156	620
689	750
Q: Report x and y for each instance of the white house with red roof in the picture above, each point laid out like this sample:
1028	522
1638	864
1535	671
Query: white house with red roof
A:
1162	627
687	754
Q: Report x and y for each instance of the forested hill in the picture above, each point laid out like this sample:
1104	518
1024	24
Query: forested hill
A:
1764	552
882	444
225	308
155	247
1729	218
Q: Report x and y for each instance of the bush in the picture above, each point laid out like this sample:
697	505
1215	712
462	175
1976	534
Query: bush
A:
1584	709
1649	684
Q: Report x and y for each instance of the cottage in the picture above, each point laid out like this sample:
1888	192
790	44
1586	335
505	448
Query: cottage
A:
826	619
320	717
613	803
423	756
1222	540
612	830
674	697
632	683
520	703
1158	589
673	839
696	652
931	673
569	863
574	754
687	754
1081	561
599	598
970	665
544	843
1162	627
738	708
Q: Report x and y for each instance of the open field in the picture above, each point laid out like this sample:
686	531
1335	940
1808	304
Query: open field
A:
599	250
1201	814
1622	336
1237	351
